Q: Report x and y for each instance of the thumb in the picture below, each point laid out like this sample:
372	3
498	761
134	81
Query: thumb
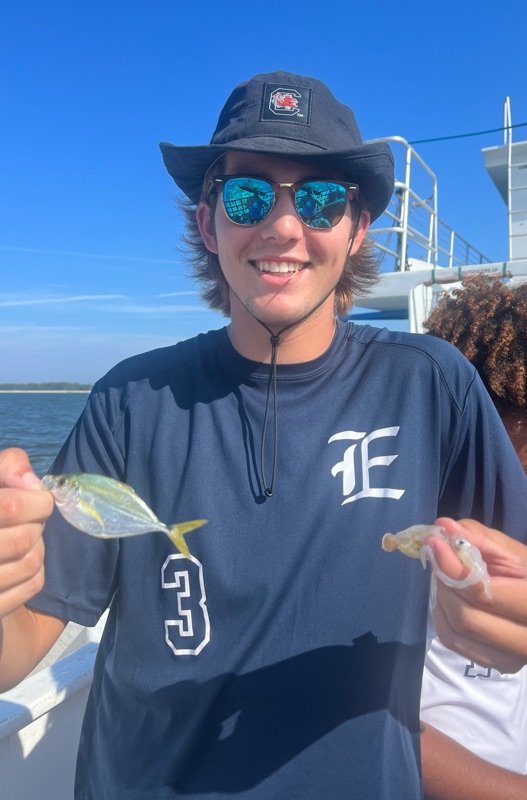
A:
16	471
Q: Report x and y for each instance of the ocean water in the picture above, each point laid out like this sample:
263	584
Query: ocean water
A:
39	423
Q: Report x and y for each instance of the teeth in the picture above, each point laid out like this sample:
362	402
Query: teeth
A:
278	266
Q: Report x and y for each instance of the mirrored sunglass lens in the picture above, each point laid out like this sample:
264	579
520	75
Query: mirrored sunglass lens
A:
247	201
321	204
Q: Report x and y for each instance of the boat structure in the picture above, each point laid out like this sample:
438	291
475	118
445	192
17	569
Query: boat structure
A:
422	257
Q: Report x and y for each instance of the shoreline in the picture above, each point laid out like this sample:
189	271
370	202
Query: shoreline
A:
45	391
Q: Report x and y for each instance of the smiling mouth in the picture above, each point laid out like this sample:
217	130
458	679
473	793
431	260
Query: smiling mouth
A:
278	267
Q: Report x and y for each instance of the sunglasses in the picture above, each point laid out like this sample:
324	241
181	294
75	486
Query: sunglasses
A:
318	203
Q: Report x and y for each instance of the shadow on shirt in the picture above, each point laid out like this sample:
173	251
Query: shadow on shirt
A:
234	731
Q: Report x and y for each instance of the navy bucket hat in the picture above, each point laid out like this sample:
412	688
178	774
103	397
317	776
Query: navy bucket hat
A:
294	117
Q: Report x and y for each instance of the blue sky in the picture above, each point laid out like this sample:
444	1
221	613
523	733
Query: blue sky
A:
90	262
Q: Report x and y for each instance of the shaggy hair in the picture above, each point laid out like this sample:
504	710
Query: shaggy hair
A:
487	321
359	274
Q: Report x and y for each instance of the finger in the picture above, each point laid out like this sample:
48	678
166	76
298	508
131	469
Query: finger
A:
16	470
23	567
503	555
16	543
19	506
508	600
496	547
22	576
473	595
20	594
478	636
488	534
446	558
479	624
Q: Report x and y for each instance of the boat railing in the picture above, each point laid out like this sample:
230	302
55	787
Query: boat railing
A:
410	233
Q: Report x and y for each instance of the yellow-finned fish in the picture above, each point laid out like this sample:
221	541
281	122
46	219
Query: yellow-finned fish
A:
106	508
413	542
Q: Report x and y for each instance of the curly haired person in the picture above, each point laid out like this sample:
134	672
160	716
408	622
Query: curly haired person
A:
487	321
480	708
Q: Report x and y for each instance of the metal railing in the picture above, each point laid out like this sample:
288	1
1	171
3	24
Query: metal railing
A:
410	230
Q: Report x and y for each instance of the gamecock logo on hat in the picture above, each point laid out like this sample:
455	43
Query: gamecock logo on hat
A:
285	101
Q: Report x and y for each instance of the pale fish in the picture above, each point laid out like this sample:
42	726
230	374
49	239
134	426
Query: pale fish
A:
413	542
106	508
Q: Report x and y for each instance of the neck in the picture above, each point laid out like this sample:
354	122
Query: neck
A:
304	340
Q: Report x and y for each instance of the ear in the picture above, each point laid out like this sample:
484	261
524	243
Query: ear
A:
205	220
363	224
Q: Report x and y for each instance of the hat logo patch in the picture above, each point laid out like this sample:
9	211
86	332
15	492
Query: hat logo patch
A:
283	101
286	103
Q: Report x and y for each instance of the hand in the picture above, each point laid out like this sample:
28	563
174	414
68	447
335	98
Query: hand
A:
24	508
492	632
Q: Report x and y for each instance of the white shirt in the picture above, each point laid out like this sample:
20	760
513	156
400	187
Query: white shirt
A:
481	708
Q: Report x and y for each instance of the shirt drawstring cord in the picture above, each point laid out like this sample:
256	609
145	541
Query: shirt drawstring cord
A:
268	488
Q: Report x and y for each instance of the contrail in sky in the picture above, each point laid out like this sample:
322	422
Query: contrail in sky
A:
86	255
42	301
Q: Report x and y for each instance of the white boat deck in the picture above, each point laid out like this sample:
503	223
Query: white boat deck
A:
40	725
40	720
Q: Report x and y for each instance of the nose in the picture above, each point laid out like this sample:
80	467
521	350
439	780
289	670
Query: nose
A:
283	223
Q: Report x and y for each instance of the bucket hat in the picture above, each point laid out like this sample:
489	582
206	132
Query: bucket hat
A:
291	116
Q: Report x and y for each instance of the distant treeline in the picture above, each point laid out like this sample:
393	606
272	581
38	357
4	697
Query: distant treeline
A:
48	387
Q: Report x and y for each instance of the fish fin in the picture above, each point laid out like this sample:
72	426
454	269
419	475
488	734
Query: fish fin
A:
176	532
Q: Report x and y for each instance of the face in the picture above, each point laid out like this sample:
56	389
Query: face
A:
279	270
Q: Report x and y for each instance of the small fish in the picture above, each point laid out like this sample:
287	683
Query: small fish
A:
413	542
106	508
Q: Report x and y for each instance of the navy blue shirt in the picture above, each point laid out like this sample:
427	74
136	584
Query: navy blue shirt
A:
284	660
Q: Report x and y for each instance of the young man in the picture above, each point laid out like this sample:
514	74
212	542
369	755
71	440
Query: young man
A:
284	658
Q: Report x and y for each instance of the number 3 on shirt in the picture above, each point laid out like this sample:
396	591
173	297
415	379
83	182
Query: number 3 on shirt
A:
188	632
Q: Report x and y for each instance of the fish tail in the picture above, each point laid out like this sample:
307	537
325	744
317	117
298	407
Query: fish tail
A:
176	534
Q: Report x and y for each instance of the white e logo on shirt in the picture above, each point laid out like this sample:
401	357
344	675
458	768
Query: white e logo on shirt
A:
350	470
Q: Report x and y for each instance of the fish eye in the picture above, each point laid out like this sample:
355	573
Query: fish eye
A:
460	543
